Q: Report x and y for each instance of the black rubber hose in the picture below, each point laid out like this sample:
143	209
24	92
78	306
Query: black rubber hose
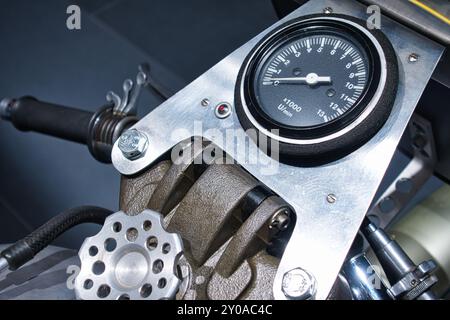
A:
25	249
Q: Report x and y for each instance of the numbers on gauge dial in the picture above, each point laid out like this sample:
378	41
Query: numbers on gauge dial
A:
312	80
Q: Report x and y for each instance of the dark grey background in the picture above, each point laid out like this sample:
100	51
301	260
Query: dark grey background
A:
41	176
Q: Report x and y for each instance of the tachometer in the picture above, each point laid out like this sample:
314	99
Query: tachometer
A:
320	85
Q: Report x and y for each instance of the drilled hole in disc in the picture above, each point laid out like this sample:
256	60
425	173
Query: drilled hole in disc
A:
88	284
147	225
98	268
93	251
117	227
162	283
110	244
158	265
124	297
146	290
166	248
152	243
132	234
103	291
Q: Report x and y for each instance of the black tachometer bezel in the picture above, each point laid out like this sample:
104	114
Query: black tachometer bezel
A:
252	116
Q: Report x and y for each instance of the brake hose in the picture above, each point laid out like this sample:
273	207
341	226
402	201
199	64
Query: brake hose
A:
25	249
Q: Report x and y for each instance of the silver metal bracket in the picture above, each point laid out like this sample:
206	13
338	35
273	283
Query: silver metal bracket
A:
413	176
324	230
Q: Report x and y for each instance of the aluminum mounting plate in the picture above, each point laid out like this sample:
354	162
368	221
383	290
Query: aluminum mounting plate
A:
324	230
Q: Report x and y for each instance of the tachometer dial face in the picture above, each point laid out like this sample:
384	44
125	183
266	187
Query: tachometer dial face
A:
320	85
311	80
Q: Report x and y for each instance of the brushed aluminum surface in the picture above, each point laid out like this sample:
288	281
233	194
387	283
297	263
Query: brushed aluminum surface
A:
324	231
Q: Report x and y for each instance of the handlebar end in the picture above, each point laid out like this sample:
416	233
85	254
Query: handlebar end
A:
5	108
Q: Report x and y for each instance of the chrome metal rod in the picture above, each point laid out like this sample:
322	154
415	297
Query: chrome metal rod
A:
364	282
394	260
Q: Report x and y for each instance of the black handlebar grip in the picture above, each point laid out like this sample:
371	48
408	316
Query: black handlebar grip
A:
30	114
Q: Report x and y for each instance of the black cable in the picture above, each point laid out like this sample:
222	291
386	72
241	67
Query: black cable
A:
25	249
154	86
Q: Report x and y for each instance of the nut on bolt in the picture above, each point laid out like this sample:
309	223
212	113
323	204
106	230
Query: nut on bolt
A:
133	144
298	284
280	220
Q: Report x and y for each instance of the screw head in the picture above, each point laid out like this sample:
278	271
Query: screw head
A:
223	110
328	10
205	102
133	144
331	93
298	284
331	198
413	57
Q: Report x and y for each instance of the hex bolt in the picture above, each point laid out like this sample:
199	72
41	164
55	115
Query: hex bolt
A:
133	144
328	10
298	284
413	57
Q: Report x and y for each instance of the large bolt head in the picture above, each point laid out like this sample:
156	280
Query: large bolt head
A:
133	144
298	284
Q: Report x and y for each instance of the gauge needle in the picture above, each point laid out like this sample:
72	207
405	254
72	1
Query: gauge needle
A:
311	79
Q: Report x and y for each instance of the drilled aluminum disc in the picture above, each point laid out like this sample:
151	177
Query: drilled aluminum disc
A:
132	257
